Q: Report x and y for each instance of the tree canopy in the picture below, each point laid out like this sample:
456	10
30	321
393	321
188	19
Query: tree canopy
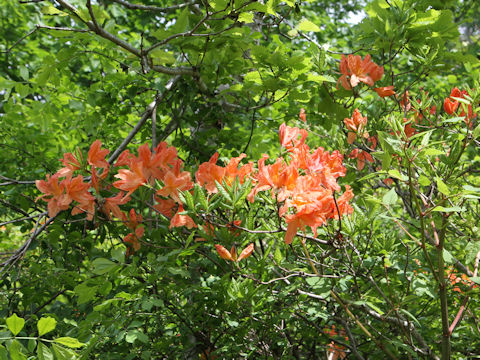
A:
239	179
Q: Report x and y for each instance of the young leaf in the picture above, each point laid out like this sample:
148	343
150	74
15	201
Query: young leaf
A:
45	325
69	342
15	324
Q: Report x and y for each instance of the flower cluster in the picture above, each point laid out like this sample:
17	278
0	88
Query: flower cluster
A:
303	182
451	105
355	70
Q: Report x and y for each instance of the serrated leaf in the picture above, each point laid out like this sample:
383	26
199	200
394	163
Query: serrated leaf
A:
307	25
45	325
69	342
15	324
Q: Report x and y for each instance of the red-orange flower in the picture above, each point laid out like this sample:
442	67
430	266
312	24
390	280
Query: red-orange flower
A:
232	254
208	173
385	91
96	156
54	194
289	136
175	181
355	70
362	157
111	205
130	180
356	125
182	220
71	164
302	116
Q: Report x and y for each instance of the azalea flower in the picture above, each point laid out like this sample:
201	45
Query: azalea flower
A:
385	91
55	194
96	156
232	254
355	70
302	116
182	220
362	157
356	125
289	136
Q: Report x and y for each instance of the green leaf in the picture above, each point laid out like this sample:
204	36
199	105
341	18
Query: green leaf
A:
3	353
162	57
307	25
15	324
16	351
397	175
246	18
62	353
102	266
45	325
442	187
475	279
69	342
447	257
423	180
448	209
390	197
43	352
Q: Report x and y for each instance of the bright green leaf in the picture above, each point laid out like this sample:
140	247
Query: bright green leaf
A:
15	324
45	325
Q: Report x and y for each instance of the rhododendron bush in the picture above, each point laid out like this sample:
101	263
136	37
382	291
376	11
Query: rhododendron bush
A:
240	180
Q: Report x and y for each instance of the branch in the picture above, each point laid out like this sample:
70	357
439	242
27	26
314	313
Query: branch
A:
151	7
147	114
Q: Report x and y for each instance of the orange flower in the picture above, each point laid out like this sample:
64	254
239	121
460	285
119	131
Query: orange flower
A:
182	220
355	70
232	171
302	116
224	253
164	206
77	189
208	173
385	91
246	252
71	164
232	254
174	181
356	124
451	105
289	136
130	180
96	156
362	157
111	204
54	194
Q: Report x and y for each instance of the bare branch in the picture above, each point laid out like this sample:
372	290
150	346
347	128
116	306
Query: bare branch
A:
147	114
153	8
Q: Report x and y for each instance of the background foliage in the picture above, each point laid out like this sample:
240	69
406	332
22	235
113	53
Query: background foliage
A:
222	76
